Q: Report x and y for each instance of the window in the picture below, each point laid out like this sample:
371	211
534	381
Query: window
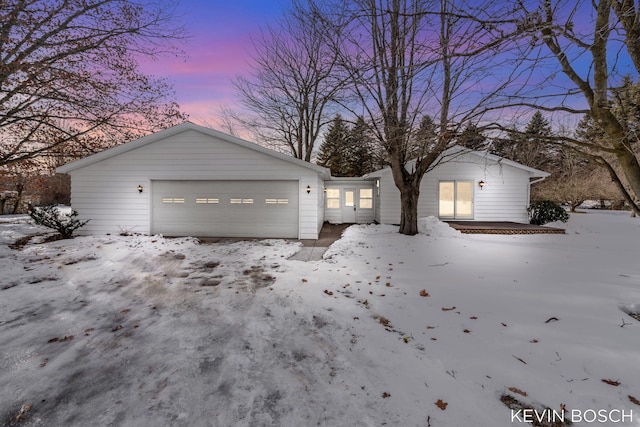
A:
202	200
241	201
333	198
276	201
173	200
366	198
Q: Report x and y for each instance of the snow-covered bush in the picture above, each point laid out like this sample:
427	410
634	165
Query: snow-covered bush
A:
52	217
545	211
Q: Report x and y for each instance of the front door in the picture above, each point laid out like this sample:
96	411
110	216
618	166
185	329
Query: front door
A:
349	206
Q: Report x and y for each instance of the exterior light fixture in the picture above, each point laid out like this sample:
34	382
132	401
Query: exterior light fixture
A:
482	184
140	188
308	189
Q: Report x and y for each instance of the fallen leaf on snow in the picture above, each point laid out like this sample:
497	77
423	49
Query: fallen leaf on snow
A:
424	293
63	339
442	405
473	317
467	331
385	395
23	410
328	292
448	308
611	382
634	400
518	391
304	280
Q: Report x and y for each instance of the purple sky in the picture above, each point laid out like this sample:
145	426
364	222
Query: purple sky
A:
217	51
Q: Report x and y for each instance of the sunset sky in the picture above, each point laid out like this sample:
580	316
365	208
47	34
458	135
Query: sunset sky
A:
218	50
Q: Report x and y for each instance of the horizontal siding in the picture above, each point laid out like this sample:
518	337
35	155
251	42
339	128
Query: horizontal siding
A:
320	203
106	192
504	198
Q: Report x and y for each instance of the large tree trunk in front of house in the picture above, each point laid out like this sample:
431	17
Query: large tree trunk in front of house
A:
409	210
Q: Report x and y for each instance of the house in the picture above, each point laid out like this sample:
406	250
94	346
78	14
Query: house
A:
193	180
463	185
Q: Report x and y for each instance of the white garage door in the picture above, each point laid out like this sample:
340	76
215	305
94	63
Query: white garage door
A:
225	208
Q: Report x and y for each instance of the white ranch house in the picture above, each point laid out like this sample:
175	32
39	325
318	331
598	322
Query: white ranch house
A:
193	180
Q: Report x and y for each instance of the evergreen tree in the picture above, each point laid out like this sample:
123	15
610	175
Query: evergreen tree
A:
472	138
531	147
349	152
332	150
424	138
363	154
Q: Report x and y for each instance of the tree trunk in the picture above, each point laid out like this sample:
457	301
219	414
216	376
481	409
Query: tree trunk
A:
409	211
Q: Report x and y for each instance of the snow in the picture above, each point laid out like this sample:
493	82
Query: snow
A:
148	331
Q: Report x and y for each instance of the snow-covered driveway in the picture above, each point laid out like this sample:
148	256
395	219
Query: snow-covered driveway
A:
433	329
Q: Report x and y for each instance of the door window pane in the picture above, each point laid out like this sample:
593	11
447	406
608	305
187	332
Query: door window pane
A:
464	199
447	197
349	197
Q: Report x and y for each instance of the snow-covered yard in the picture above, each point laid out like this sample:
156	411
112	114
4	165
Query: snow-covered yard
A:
440	329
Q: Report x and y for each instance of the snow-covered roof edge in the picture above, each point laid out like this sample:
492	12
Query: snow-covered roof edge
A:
457	149
174	130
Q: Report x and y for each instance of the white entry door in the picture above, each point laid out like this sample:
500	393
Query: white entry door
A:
349	206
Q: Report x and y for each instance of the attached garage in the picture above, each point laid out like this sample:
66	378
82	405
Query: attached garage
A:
225	208
190	180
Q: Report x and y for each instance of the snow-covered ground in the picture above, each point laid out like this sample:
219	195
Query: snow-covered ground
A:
436	330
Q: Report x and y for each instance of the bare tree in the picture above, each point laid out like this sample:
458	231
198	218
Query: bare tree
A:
577	180
407	58
70	79
591	44
293	83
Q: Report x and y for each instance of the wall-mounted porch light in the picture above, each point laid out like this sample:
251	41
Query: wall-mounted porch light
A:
482	184
140	188
308	189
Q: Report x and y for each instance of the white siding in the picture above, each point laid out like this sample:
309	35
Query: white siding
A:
320	197
505	196
106	192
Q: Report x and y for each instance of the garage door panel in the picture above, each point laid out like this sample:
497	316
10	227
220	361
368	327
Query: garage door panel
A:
225	208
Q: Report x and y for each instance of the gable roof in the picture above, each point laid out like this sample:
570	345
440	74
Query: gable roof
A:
175	130
459	150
